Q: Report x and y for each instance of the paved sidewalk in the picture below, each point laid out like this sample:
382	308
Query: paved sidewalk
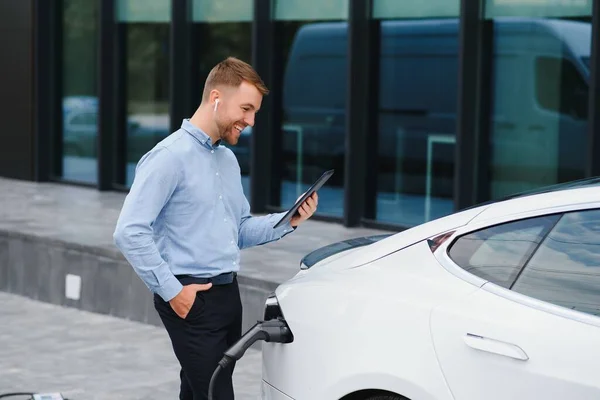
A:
86	217
89	356
45	347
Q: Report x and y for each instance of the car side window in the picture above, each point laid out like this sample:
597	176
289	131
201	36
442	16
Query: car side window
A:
498	253
565	270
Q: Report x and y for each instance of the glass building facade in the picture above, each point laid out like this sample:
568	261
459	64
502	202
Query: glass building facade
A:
422	108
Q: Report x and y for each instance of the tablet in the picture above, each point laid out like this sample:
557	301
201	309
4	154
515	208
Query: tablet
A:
315	186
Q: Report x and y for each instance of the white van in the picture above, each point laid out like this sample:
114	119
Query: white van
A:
539	92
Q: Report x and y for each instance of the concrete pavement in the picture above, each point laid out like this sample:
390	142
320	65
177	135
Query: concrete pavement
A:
51	234
84	355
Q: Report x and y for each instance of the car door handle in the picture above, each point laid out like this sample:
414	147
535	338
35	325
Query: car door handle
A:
495	346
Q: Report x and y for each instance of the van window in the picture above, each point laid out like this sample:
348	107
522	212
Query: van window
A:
560	88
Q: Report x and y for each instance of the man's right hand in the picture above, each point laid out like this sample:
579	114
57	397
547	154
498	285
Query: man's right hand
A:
182	303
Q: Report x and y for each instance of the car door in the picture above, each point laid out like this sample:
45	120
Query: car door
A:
532	331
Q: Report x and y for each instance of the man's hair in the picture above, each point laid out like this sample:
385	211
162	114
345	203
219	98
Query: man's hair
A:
231	72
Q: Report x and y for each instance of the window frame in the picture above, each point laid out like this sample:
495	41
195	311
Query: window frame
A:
527	264
524	257
442	256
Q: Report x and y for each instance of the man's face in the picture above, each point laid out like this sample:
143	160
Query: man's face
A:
236	110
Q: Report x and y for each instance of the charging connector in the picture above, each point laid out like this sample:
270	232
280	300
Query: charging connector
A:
274	331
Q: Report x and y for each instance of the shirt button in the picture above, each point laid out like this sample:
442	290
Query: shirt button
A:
220	197
225	220
212	151
217	173
232	242
234	263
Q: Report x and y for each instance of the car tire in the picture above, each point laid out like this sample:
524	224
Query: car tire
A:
386	397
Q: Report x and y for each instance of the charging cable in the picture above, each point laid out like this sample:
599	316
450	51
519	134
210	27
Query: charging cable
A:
275	331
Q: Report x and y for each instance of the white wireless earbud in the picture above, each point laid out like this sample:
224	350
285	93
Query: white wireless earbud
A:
216	104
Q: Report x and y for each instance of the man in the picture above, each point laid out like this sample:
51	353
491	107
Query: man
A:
185	220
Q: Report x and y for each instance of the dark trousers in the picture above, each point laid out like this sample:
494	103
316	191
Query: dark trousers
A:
213	324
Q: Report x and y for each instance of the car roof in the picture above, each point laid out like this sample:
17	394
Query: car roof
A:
560	195
544	198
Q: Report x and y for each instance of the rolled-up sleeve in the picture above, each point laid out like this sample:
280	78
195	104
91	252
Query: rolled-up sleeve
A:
156	179
255	231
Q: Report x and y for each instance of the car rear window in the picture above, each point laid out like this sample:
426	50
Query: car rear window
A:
565	269
498	253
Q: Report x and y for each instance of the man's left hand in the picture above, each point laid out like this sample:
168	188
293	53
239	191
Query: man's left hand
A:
306	210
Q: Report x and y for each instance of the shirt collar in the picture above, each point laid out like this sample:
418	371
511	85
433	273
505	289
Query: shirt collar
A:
199	134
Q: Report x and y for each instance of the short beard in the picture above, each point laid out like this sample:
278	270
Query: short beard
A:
227	136
222	131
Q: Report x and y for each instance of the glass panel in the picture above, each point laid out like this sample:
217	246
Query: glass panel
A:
143	10
566	268
553	98
388	9
299	10
586	61
314	80
418	70
539	94
497	254
223	11
594	181
80	90
147	77
227	26
538	8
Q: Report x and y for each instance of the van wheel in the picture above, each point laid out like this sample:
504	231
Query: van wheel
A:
387	397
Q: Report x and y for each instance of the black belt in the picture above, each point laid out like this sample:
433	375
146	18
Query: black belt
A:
222	279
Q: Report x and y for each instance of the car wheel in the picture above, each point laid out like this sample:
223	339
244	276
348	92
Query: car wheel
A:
374	395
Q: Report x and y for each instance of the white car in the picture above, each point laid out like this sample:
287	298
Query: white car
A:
496	302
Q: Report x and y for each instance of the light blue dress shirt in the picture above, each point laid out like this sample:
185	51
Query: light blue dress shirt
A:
186	213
